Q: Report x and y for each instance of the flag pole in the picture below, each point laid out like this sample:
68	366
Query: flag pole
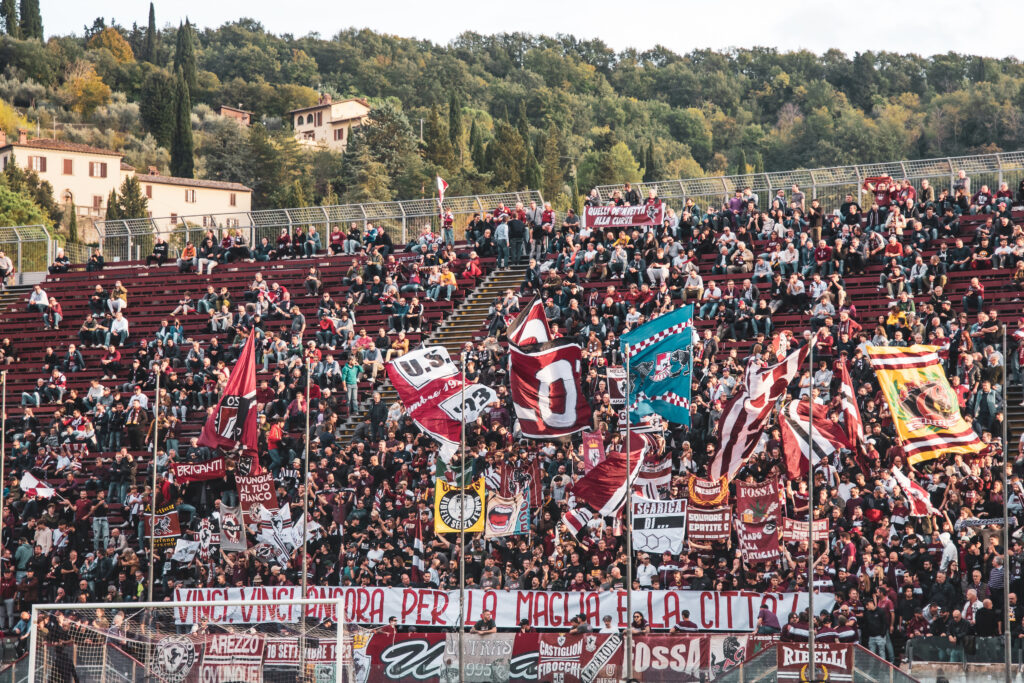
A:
1007	641
810	516
152	497
304	579
3	454
629	534
462	524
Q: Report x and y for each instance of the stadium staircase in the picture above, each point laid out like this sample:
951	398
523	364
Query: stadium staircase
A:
455	330
12	295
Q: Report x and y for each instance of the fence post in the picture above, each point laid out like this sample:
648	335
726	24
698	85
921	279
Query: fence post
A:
405	224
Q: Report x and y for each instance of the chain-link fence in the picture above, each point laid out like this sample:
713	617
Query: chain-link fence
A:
30	249
132	239
831	185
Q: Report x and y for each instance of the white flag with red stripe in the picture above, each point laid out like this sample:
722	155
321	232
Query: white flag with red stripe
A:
441	187
530	326
31	485
851	411
920	501
745	416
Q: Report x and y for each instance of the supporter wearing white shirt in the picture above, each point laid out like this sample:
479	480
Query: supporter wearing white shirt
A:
789	258
38	301
646	572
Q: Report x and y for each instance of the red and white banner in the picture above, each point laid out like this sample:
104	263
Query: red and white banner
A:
165	528
423	607
185	472
580	658
429	385
530	326
623	216
545	383
233	421
759	502
257	490
712	524
430	657
669	658
796	531
759	541
833	662
592	450
920	501
234	657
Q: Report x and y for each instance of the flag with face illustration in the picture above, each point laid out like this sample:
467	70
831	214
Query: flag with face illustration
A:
507	516
659	367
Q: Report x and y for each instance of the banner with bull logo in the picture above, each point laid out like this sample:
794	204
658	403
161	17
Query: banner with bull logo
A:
924	408
232	530
165	528
660	363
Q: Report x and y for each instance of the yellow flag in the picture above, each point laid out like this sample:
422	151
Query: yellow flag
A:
458	508
923	406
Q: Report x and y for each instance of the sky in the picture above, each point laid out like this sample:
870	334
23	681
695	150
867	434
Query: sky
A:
937	26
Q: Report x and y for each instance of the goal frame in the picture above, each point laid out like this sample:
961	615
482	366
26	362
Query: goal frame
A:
338	603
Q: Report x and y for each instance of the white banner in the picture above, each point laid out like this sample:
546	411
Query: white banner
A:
659	526
422	607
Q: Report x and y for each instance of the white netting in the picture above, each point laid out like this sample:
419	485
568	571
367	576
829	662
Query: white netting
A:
180	643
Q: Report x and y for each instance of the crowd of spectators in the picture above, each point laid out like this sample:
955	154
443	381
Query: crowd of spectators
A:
752	266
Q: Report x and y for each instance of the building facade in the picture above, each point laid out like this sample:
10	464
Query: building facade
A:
85	176
329	123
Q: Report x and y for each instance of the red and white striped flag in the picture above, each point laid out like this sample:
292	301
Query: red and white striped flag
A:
794	425
745	416
441	187
920	501
31	485
417	548
851	412
577	519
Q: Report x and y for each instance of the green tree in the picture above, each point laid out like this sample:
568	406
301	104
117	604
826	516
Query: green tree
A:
31	20
185	55
506	158
131	202
18	209
532	175
455	129
615	165
72	223
9	10
438	148
368	179
263	168
32	187
476	147
113	207
149	51
83	89
741	162
182	159
388	138
156	105
653	169
522	122
111	39
552	163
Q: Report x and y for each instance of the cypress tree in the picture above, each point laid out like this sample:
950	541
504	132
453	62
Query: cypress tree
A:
531	174
182	161
150	48
156	105
113	207
522	122
455	125
552	166
9	9
438	147
31	20
476	147
741	163
72	223
132	203
185	55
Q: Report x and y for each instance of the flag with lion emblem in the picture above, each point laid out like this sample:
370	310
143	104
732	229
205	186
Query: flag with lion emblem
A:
659	367
923	405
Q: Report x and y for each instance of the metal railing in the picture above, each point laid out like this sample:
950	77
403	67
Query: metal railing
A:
132	239
831	185
30	249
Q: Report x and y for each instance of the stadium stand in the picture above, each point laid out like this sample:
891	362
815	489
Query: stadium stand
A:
376	485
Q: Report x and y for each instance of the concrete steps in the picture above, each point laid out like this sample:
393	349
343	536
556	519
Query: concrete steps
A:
464	324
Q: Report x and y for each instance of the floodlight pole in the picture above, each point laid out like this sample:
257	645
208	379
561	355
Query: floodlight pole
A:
629	532
810	515
152	495
1007	640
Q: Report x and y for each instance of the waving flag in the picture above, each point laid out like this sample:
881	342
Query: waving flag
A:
31	485
794	422
746	414
605	487
441	187
659	367
547	392
530	326
924	408
851	411
920	501
233	421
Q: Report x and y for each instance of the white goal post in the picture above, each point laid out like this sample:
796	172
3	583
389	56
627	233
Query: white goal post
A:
279	641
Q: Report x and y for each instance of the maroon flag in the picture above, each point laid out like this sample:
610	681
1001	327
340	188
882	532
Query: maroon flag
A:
604	488
530	326
746	414
233	421
794	425
546	390
592	450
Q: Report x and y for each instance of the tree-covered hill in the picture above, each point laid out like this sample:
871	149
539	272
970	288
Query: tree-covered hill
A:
497	112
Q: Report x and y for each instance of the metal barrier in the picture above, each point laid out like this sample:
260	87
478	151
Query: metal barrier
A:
976	650
831	185
132	239
30	249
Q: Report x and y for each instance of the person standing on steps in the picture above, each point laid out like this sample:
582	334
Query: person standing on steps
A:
517	235
501	237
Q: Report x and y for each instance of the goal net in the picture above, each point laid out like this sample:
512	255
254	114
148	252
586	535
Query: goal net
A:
211	642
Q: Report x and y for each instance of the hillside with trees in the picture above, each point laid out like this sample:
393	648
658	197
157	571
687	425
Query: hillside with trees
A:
496	112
